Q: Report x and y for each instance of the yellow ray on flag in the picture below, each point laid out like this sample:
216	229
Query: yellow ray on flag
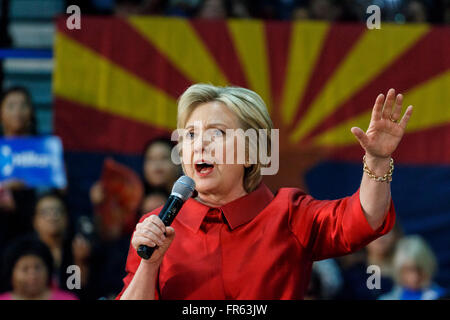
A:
250	42
429	111
370	56
305	44
83	76
179	42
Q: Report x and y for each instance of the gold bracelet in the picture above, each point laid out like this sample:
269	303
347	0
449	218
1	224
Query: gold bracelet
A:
386	178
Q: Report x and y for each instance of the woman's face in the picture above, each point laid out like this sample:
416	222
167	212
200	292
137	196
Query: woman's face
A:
213	9
412	277
15	114
205	131
159	170
51	217
29	276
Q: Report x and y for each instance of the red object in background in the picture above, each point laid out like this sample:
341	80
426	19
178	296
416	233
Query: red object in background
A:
123	192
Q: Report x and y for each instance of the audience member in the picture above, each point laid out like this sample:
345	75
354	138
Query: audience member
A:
28	266
379	253
416	12
51	224
159	170
17	119
414	268
214	10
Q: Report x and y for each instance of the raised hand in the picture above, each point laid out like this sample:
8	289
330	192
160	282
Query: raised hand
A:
386	129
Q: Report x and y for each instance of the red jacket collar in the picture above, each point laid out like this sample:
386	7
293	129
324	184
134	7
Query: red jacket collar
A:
236	212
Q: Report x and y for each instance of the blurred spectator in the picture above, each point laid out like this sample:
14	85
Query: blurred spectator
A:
380	253
240	9
222	9
159	170
17	119
214	9
28	265
124	8
17	114
323	10
160	173
414	267
300	13
51	224
416	12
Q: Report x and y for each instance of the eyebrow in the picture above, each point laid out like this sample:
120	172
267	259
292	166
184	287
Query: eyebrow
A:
213	124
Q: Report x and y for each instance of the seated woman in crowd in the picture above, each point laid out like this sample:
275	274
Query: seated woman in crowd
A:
51	225
28	270
414	267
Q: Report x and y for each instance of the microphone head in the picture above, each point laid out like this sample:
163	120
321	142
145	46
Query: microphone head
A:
184	187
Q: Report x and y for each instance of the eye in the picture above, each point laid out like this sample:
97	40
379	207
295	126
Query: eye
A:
218	133
190	135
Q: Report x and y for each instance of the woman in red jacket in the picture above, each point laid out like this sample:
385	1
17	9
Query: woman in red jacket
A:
237	240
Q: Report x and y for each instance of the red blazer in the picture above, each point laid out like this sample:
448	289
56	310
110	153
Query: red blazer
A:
259	246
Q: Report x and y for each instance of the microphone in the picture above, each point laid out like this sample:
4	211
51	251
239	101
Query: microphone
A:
182	190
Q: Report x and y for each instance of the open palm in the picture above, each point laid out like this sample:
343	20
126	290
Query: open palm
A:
385	129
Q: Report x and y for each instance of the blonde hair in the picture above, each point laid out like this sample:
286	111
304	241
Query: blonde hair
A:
245	104
414	249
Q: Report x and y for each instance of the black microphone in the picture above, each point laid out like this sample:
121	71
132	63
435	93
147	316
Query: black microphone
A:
182	190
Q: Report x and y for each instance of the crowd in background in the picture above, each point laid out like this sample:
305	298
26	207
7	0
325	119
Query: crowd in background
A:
39	236
40	240
398	11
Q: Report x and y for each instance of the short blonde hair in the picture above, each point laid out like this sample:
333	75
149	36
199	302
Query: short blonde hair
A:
414	249
247	105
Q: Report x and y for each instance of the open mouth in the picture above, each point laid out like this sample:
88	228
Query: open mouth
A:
204	168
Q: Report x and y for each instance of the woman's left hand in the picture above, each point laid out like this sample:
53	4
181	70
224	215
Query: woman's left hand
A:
386	129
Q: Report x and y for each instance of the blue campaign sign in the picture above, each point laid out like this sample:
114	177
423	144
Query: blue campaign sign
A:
37	161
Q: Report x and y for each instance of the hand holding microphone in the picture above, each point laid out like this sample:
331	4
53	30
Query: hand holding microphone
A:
153	236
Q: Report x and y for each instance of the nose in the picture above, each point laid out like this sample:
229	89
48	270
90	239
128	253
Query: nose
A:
201	142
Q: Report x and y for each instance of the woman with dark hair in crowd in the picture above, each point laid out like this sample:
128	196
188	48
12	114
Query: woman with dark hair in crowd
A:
158	171
17	119
28	266
17	114
52	226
